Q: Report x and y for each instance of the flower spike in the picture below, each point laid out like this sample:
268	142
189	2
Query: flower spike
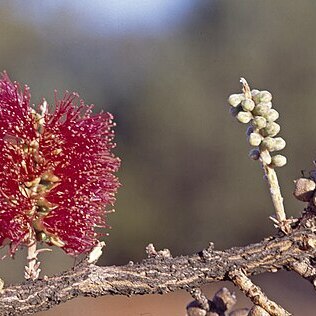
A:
57	171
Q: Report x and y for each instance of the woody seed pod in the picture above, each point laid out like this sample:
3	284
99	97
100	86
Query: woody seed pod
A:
304	189
259	122
248	105
244	117
255	139
278	161
235	99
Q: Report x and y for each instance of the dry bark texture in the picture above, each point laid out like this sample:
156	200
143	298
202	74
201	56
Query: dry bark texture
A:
161	273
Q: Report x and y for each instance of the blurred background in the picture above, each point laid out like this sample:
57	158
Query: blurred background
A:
165	70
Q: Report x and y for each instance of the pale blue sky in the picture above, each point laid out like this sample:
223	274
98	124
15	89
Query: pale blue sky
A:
108	16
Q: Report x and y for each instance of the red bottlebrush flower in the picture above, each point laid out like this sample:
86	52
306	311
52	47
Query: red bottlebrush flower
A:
56	170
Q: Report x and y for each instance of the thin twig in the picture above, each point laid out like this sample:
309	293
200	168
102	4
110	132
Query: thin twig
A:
255	294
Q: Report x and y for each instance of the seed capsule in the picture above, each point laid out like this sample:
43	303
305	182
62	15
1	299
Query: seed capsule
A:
255	139
244	117
304	189
259	122
235	99
272	129
278	161
248	105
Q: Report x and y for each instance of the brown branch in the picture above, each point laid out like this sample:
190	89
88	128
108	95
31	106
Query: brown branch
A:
159	274
255	294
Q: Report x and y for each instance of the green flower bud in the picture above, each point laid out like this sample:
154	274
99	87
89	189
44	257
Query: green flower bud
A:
259	122
268	143
279	143
254	154
262	108
272	115
254	92
249	130
265	96
244	117
265	157
248	105
235	110
278	161
255	95
272	129
235	99
255	139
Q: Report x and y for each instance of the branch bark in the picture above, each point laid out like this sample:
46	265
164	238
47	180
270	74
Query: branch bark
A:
160	274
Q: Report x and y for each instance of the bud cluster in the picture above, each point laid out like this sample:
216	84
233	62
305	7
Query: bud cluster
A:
255	108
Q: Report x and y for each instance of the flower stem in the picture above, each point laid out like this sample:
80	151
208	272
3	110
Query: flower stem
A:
275	192
32	269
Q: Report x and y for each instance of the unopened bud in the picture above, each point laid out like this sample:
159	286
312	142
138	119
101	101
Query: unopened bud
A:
235	99
304	189
278	161
255	95
272	115
265	96
279	143
262	108
244	117
268	143
249	130
255	139
248	105
272	129
254	154
265	157
259	122
235	111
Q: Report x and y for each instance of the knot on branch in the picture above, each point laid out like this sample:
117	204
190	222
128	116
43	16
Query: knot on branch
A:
207	253
153	253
